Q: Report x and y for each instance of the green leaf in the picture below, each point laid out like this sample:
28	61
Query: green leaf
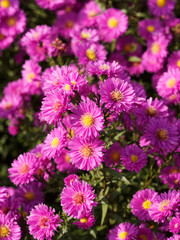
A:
92	232
134	59
104	212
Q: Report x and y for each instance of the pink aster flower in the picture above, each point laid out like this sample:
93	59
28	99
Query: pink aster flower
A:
78	199
86	221
147	27
23	169
169	83
63	162
174	60
112	156
43	222
174	225
29	195
55	142
85	153
8	7
170	175
9	229
175	237
68	180
161	135
55	4
141	203
13	25
125	231
3	194
5	40
54	104
161	7
133	158
145	233
118	95
164	206
87	119
112	23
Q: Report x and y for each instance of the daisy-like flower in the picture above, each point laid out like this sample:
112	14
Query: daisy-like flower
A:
147	27
68	180
169	83
145	234
9	229
5	40
112	23
55	142
174	225
43	222
133	158
161	134
118	95
124	231
55	4
164	206
78	199
8	7
54	104
112	156
169	175
23	169
87	119
85	221
85	153
161	7
29	195
141	203
63	162
174	60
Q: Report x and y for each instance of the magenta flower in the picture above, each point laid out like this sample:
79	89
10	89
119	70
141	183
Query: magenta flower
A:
8	7
174	60
23	169
112	156
43	222
147	27
118	95
78	199
125	231
86	154
141	203
9	229
3	194
5	40
87	119
145	233
133	158
86	221
174	225
112	23
161	7
68	180
63	162
55	4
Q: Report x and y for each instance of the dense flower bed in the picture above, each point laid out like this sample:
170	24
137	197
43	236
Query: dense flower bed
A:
93	120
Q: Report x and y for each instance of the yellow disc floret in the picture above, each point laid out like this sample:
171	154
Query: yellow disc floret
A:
5	4
123	235
30	196
155	48
90	53
4	231
150	28
87	151
84	220
112	22
134	158
87	120
171	83
55	142
11	21
161	3
146	204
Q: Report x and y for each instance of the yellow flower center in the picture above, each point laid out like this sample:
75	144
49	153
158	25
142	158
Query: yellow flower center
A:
90	53
92	14
151	111
71	133
134	158
73	82
104	67
176	225
68	9
161	3
163	205
150	28
78	198
24	169
4	231
123	235
67	87
69	24
87	120
30	77
173	169
176	181
127	48
87	151
171	83
112	22
178	62
30	196
11	21
155	48
67	158
57	105
162	134
85	35
115	156
146	204
84	220
5	4
116	95
44	222
8	106
143	237
2	37
55	142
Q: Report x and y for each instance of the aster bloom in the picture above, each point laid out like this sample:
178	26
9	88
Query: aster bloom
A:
141	203
125	231
85	221
13	25
118	95
29	195
175	237
147	27
63	162
9	229
43	222
174	225
174	60
5	40
78	199
170	175
87	119
133	158
54	5
8	7
55	142
3	194
161	135
164	206
68	180
145	233
112	23
54	104
112	156
161	7
23	169
86	154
